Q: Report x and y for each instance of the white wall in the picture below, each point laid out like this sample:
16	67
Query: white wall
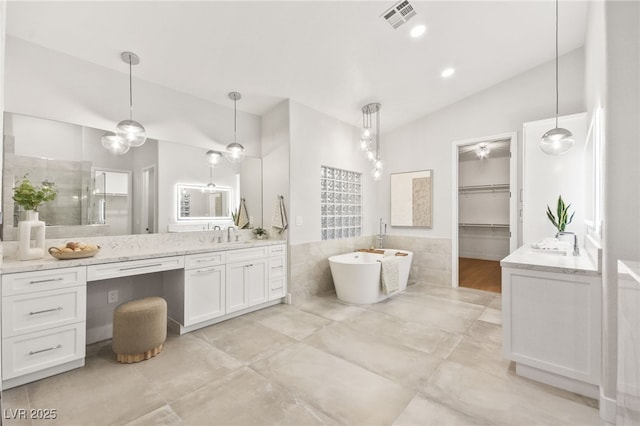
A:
276	136
317	139
48	84
618	23
503	108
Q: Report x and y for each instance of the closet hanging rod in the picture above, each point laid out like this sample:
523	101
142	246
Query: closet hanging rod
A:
483	225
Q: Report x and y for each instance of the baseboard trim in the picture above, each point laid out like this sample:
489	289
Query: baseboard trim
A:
607	409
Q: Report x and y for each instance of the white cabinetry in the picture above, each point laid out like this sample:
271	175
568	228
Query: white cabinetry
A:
247	279
277	272
43	324
551	327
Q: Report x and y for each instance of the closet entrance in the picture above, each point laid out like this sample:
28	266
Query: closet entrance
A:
484	208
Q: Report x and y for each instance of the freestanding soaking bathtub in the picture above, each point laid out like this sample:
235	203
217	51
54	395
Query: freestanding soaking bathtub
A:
356	276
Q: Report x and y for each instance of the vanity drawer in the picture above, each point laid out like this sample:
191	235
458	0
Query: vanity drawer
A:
246	254
33	352
277	267
29	282
203	260
277	288
278	250
133	267
26	313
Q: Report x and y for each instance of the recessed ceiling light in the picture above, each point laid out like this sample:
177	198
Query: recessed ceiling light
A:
448	72
418	30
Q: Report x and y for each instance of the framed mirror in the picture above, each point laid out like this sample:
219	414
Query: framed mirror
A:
199	202
412	199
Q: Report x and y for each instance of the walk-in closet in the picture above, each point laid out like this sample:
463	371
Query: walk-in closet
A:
483	213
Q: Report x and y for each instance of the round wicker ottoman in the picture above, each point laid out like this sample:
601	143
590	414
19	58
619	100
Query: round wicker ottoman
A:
139	329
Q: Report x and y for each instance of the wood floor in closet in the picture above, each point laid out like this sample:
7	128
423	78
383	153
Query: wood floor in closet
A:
479	274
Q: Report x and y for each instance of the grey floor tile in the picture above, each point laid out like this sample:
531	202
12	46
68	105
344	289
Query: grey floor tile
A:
348	393
246	398
103	392
185	364
496	303
494	316
482	355
486	332
425	412
430	340
329	307
246	341
448	315
290	321
163	416
15	407
511	400
469	295
381	355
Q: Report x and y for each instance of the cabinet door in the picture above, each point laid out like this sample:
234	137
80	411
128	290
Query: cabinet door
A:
256	277
236	291
204	294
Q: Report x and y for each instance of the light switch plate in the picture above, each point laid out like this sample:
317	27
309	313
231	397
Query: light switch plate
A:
299	221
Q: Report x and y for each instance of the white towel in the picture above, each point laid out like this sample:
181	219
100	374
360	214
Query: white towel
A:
390	274
243	216
279	217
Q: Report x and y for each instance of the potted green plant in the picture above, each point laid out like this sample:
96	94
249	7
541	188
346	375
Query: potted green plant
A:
30	197
562	219
260	233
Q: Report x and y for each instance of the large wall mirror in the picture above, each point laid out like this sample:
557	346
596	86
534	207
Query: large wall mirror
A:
103	194
412	198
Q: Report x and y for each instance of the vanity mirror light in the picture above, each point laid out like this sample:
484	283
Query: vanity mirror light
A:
200	202
412	198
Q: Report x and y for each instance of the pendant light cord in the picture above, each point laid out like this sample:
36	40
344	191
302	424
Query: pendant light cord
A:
234	120
557	96
378	135
130	92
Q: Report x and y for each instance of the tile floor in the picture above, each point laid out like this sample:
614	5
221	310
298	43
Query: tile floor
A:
429	356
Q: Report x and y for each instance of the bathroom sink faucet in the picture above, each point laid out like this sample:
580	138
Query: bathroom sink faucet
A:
235	231
576	249
217	235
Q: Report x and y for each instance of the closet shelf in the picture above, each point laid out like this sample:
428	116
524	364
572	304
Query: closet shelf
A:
483	225
500	187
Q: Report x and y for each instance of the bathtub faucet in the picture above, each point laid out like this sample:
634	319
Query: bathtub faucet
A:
381	234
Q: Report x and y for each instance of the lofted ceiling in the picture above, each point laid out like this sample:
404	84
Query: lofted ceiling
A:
333	56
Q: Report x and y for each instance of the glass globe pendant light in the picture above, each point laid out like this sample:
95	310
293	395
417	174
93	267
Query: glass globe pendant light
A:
213	158
130	132
235	151
373	156
113	144
557	140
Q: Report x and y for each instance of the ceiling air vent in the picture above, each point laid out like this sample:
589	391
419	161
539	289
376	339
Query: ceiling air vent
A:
399	13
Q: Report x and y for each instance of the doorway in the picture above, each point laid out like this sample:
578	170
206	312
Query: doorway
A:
148	207
484	225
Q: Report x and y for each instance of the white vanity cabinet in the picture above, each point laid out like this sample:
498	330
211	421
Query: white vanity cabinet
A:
43	323
551	327
277	272
246	278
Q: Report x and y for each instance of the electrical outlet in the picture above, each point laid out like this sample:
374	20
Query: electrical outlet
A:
113	296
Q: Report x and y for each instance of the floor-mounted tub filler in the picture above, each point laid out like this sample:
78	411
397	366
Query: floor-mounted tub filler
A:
357	276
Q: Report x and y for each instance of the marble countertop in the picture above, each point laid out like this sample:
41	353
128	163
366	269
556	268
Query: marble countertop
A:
630	268
527	258
126	252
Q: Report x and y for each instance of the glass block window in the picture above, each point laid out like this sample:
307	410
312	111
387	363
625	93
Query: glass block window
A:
340	203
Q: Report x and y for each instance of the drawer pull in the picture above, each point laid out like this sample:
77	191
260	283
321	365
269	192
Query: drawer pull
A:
200	271
276	267
45	350
208	260
48	280
59	308
128	268
249	265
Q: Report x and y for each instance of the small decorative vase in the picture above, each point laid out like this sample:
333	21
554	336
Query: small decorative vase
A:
27	228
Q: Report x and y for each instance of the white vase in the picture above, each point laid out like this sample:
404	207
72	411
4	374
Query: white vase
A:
26	229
